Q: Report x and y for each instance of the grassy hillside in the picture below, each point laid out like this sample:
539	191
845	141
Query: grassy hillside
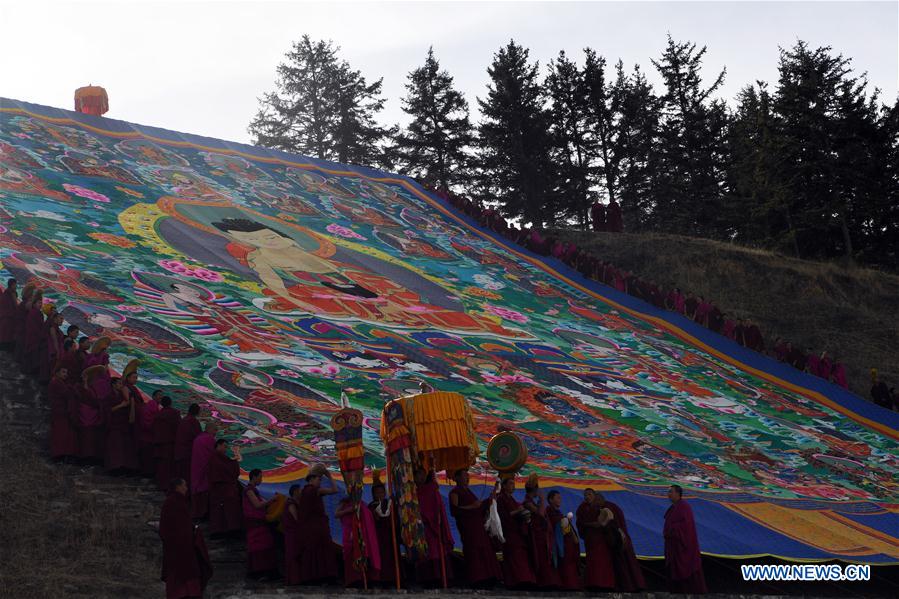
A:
851	312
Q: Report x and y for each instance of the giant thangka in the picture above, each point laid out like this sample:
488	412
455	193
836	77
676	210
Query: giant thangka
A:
262	284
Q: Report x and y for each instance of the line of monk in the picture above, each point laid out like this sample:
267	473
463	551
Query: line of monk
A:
101	418
696	308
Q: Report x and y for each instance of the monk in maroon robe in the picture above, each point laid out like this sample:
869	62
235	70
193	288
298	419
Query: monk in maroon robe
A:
21	319
740	332
261	555
53	344
518	571
91	425
566	544
185	561
825	366
436	567
84	347
188	429
200	454
121	454
628	575
614	220
318	559
68	359
34	328
360	563
165	427
381	508
701	315
9	303
63	416
813	362
838	375
599	572
145	413
683	562
290	524
224	491
541	539
482	569
598	216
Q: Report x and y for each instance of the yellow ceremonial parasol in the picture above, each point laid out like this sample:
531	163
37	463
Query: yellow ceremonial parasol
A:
100	344
91	99
130	368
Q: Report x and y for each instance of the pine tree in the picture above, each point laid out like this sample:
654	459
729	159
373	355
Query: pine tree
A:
831	145
691	145
434	146
514	155
601	121
358	138
755	207
630	163
299	116
572	145
321	108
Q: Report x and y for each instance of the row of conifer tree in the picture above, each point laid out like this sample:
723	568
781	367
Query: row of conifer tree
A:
808	166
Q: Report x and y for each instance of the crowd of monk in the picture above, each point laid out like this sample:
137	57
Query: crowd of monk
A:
102	419
608	218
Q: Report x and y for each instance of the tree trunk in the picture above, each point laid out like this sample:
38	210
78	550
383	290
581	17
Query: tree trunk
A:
847	238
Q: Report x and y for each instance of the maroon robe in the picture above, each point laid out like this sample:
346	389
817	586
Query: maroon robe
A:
318	559
120	453
599	570
200	454
144	414
683	562
7	317
224	494
386	536
825	367
568	559
839	375
628	575
541	548
34	329
185	561
614	222
351	529
517	568
91	431
165	427
63	419
481	565
292	543
53	342
69	361
437	534
598	216
261	555
813	363
188	429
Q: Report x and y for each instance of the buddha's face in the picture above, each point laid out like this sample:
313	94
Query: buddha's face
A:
103	320
263	239
186	292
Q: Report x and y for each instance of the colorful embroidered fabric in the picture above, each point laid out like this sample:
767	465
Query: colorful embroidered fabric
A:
260	284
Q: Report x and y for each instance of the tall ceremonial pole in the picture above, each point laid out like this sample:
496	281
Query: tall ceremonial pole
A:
396	550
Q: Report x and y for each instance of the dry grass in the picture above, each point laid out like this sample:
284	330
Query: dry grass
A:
60	539
851	312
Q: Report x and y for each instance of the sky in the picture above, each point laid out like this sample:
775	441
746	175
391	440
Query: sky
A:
199	67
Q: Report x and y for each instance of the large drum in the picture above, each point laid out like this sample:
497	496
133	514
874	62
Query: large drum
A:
507	453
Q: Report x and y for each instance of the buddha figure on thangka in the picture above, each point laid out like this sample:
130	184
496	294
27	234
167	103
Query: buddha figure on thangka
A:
303	271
